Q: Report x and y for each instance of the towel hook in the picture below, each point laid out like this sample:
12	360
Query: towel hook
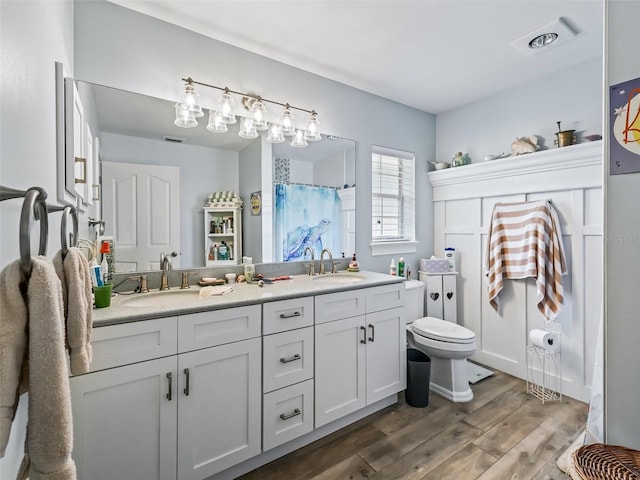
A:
33	207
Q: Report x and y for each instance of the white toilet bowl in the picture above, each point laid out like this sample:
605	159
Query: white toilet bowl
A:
448	345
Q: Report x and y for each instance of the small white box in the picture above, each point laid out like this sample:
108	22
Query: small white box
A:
434	265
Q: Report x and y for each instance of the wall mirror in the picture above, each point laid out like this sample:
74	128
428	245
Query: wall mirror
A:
154	178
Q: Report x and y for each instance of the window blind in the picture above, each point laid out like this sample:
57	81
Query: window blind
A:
393	195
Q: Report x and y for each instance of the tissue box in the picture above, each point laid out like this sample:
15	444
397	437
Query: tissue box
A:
434	265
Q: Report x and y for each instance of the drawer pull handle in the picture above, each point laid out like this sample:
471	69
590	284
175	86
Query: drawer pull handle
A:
373	332
291	315
364	335
170	377
295	413
290	359
186	388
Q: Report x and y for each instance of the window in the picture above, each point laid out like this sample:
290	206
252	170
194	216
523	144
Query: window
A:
392	201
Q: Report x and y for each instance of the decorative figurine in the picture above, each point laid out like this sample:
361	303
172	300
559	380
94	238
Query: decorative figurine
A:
523	145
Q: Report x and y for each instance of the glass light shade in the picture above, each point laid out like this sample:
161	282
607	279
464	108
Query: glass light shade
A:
225	104
191	99
312	133
259	114
288	128
184	117
247	129
275	134
299	140
216	123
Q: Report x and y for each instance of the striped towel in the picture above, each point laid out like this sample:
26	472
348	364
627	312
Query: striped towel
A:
524	240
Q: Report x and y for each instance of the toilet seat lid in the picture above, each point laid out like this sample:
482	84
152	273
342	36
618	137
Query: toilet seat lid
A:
442	330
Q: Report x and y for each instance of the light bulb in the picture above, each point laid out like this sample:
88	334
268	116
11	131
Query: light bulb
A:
275	134
184	117
216	122
299	140
288	128
312	132
247	129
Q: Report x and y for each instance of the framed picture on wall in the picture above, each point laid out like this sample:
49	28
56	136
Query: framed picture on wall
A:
624	121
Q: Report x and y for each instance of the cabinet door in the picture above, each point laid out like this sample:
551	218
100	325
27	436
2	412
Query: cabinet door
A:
219	414
386	354
449	298
124	424
433	298
340	364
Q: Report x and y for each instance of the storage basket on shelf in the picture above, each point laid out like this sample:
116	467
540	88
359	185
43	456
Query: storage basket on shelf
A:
599	461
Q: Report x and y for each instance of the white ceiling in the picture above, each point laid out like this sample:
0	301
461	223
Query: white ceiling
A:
434	55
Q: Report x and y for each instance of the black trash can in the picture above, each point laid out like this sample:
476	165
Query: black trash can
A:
418	377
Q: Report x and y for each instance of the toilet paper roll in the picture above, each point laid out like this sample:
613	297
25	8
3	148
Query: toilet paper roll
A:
544	339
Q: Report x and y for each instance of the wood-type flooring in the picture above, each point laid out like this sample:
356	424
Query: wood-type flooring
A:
503	433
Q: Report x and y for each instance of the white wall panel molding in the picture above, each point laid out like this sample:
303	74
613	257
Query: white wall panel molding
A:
463	202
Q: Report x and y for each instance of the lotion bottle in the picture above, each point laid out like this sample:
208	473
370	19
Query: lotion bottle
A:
392	267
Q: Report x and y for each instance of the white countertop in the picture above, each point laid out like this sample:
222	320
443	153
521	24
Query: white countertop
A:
242	294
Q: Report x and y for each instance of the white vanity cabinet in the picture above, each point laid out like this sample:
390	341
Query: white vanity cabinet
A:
189	414
288	366
441	297
360	358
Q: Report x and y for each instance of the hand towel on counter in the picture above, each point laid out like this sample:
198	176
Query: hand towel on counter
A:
49	440
524	240
75	278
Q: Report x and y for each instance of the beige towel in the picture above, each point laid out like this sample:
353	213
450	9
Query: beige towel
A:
524	240
75	278
13	347
50	425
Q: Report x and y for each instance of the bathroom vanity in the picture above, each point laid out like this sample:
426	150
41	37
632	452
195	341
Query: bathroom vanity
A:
193	388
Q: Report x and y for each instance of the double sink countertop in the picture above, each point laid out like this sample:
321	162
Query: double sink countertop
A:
143	306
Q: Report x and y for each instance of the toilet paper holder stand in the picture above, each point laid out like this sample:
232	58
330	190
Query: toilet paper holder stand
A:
544	369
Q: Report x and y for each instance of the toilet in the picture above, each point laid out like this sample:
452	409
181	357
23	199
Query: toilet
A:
446	343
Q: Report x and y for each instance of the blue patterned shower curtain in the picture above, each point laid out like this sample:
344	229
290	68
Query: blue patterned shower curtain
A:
306	216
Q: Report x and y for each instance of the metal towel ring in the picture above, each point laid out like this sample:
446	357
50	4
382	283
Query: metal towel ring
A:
34	203
67	211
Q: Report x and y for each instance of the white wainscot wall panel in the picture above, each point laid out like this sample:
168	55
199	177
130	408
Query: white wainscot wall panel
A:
464	197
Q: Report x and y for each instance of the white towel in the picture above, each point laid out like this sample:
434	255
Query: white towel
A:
524	240
75	279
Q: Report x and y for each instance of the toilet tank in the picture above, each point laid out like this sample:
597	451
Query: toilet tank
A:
414	299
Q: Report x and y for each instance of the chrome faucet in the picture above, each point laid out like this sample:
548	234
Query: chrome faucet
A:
312	262
333	264
165	265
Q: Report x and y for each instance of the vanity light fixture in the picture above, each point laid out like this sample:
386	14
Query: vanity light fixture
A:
188	109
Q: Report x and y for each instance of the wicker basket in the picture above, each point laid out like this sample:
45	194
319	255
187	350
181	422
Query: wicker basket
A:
600	461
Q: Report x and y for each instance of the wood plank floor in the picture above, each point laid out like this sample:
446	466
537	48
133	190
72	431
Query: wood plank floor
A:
503	433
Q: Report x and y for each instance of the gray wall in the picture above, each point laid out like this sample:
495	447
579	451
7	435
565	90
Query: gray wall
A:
124	49
490	125
250	159
33	36
622	255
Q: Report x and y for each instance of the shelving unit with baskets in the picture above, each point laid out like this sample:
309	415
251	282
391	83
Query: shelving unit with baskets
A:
222	224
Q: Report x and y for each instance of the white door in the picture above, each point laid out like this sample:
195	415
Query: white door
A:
124	425
386	354
219	413
142	212
340	364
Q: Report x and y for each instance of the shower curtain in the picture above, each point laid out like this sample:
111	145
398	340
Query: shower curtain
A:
306	216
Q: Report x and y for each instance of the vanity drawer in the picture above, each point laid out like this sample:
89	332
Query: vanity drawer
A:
217	327
287	315
117	345
288	414
335	306
288	358
385	297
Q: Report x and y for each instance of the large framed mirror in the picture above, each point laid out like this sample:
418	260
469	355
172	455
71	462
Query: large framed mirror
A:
154	179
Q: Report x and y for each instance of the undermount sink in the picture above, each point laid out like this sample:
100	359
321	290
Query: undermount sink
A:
175	298
339	277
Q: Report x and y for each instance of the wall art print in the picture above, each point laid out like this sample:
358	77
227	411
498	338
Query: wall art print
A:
306	216
624	120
